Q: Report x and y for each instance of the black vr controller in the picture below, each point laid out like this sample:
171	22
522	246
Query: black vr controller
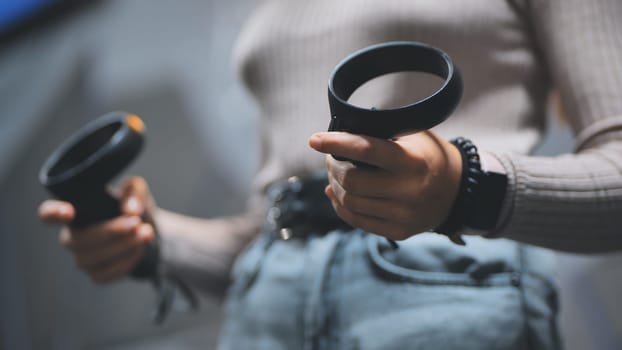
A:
79	170
385	58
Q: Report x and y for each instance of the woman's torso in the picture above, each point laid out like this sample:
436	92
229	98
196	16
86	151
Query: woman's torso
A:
288	48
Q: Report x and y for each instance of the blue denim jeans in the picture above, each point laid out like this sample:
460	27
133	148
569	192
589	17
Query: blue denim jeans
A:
351	290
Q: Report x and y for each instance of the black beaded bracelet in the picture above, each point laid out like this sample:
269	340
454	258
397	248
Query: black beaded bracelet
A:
471	170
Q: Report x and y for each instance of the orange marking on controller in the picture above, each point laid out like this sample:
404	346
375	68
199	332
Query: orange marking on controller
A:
135	123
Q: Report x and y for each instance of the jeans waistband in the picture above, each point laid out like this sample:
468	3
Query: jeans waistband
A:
299	208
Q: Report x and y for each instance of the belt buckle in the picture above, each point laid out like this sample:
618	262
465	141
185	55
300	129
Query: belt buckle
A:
276	216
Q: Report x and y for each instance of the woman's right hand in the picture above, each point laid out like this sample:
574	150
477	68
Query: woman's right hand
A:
109	250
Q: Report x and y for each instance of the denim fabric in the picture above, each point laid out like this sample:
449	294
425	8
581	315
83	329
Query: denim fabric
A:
351	290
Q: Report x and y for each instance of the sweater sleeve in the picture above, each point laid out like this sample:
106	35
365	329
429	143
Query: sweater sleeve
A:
573	202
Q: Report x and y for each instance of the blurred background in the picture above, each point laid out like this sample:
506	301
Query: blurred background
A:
63	63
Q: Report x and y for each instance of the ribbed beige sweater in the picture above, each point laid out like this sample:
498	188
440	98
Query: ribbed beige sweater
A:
510	53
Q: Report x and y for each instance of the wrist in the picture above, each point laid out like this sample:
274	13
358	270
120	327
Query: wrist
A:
477	206
455	170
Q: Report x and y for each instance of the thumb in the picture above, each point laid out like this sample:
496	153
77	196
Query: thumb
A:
135	196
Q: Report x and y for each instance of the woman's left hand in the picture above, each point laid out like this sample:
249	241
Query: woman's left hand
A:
411	189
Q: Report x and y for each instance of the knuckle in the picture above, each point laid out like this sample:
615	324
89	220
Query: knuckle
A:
366	149
349	181
349	201
419	161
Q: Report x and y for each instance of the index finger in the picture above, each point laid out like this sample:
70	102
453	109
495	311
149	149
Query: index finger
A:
382	153
56	212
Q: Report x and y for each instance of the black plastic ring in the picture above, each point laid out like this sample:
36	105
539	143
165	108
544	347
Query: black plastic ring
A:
385	58
99	151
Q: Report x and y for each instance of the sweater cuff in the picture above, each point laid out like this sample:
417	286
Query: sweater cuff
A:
514	211
508	201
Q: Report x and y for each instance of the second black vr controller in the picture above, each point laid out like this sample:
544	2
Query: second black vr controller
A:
79	170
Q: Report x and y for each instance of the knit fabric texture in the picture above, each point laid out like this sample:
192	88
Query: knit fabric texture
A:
511	53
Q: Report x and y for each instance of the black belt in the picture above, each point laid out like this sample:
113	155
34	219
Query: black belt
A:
381	59
299	208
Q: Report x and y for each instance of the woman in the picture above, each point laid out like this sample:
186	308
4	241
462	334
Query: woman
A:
315	282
